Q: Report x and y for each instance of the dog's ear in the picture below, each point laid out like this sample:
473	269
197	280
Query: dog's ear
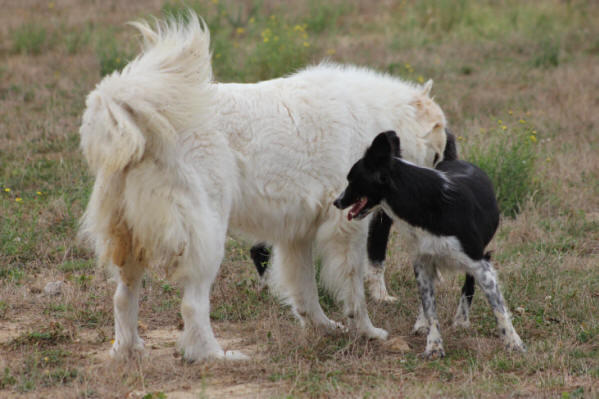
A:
394	141
451	150
380	152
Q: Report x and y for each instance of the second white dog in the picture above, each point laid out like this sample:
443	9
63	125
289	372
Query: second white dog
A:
179	159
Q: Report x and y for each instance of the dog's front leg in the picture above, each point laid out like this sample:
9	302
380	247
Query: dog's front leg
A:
343	275
425	276
294	280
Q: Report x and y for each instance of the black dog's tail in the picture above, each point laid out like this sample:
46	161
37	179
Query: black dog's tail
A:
451	149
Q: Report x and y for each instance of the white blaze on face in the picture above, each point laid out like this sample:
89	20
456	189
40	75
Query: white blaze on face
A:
356	208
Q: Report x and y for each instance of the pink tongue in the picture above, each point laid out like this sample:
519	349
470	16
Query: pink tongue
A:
357	208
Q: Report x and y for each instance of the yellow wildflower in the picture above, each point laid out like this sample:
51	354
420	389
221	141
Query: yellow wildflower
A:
504	127
252	20
533	138
547	159
46	359
421	79
522	121
499	121
266	39
7	190
298	28
331	51
38	192
510	112
240	30
19	199
217	55
306	44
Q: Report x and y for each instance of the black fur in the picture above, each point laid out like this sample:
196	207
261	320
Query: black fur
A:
260	255
465	208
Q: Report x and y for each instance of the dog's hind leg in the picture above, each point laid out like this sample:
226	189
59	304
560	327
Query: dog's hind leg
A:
260	254
425	273
462	315
486	277
199	265
126	307
343	275
378	236
294	279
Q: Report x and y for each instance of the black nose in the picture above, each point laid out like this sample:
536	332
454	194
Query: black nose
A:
337	203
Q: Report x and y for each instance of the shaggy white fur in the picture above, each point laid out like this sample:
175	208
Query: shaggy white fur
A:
179	159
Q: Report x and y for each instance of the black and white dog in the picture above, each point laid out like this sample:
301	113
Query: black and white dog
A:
451	213
378	237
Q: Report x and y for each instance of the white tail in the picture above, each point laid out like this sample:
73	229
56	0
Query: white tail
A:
157	95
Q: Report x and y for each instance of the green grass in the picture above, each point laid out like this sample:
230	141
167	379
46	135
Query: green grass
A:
29	38
508	156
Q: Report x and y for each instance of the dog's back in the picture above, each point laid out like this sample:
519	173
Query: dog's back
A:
472	211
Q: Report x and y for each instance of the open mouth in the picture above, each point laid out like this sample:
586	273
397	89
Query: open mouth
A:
357	208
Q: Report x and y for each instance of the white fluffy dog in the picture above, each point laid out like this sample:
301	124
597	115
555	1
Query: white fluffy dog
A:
178	159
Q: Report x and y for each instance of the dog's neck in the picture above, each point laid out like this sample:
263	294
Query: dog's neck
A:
417	195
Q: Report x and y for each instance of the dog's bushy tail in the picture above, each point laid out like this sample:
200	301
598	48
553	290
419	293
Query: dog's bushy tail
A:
162	92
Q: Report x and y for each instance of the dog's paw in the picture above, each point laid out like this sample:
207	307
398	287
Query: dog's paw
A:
420	329
433	354
235	356
333	328
515	345
376	333
460	322
388	299
121	352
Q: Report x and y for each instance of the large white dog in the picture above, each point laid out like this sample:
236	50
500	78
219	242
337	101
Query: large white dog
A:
178	159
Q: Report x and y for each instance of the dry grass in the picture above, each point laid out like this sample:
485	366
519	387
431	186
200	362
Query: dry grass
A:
490	61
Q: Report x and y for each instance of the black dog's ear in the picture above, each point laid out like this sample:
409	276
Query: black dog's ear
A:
380	151
451	150
394	141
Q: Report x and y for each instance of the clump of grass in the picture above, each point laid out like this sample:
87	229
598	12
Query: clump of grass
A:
547	55
54	334
324	15
111	56
29	38
508	156
75	41
282	50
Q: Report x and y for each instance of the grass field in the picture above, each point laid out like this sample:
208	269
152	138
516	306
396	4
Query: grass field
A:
519	82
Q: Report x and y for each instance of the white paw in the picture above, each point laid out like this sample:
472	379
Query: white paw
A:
436	352
235	356
332	327
376	333
389	299
515	344
460	322
421	327
124	352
